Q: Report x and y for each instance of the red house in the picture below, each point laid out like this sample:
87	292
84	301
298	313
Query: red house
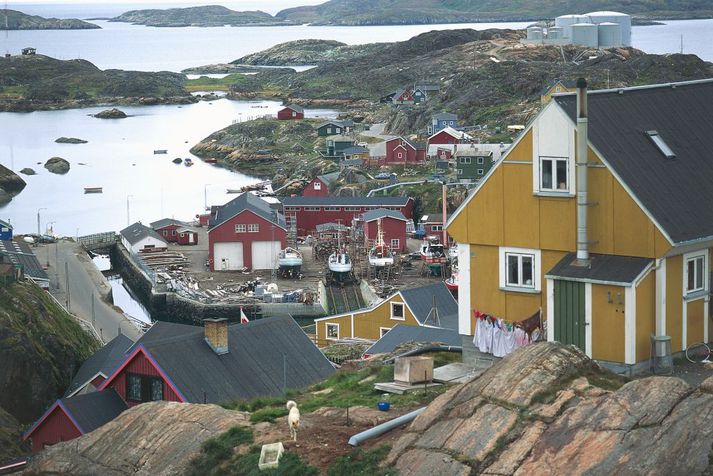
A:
404	96
69	418
308	212
400	151
449	136
393	226
245	233
175	231
319	186
291	112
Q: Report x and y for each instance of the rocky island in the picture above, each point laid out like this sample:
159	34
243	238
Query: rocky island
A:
57	165
10	184
15	20
204	16
112	113
70	140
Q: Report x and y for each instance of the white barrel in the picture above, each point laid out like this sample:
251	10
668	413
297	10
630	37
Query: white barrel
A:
609	35
585	34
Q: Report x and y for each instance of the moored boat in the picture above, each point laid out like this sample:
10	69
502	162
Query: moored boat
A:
93	190
160	151
188	162
452	282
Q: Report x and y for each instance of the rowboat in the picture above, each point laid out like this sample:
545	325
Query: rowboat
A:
93	190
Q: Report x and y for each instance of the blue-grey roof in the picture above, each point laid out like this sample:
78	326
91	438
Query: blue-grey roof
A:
105	361
164	222
403	334
254	365
329	178
138	231
603	268
346	201
445	116
95	409
355	150
20	254
383	212
247	201
421	300
343	124
5	224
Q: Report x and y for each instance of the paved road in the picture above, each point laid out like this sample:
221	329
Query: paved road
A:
86	284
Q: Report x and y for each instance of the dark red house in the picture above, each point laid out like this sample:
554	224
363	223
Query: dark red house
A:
291	112
404	96
308	212
393	226
175	231
448	136
245	233
400	151
319	186
69	418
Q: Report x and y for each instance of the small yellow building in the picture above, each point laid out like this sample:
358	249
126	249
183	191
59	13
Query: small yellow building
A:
557	86
429	306
648	223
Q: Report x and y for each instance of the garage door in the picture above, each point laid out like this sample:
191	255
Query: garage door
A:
227	256
265	254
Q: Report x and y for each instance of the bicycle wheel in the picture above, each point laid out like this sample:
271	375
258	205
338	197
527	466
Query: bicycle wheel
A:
698	353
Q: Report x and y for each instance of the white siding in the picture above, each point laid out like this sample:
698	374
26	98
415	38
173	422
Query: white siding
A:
265	254
227	256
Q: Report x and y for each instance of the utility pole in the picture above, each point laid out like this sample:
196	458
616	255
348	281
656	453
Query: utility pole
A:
128	219
94	319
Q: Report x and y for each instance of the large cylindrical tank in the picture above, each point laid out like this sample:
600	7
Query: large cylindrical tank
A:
566	21
585	34
555	33
609	35
534	33
614	17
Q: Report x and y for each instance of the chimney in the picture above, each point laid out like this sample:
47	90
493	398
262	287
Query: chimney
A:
216	335
582	147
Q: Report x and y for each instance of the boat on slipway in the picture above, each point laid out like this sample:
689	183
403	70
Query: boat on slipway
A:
290	262
433	253
380	255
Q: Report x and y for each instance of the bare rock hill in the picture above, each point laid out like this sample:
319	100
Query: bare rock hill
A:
157	438
549	409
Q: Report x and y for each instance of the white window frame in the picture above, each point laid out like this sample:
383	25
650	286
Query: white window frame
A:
694	256
399	155
332	209
395	243
403	311
555	187
312	209
460	171
536	285
241	228
480	171
327	325
381	331
481	160
465	160
254	228
318	185
329	130
436	227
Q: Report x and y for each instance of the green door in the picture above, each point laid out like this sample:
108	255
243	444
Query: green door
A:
569	313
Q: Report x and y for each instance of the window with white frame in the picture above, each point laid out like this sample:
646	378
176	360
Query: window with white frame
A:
436	227
400	155
395	244
520	269
397	311
240	228
465	160
460	171
332	209
253	228
695	272
481	171
481	160
554	174
312	209
383	331
332	331
318	185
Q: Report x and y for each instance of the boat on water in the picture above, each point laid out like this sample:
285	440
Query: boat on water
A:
93	190
188	162
177	160
160	151
432	253
290	258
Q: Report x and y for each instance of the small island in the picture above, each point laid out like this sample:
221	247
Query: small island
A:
112	113
57	165
204	16
70	140
10	184
15	20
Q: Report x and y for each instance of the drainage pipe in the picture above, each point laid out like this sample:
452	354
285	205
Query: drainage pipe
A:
384	427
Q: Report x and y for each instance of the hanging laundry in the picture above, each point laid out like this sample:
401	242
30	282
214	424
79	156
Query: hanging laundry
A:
521	337
497	347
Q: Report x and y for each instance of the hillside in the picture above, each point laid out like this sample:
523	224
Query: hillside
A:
299	52
394	12
35	82
16	20
205	16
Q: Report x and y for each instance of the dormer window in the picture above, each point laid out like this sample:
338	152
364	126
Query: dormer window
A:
661	144
554	176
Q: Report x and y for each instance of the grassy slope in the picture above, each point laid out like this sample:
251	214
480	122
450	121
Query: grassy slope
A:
211	15
20	21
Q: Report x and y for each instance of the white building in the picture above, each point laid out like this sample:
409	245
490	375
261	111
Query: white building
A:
139	237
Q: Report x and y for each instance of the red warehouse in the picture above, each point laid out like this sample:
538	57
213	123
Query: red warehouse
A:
245	233
291	112
400	151
319	186
175	231
393	226
69	418
308	212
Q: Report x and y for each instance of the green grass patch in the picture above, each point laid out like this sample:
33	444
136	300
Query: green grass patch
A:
247	465
361	463
218	450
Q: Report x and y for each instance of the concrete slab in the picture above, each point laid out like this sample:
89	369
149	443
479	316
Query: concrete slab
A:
456	372
400	388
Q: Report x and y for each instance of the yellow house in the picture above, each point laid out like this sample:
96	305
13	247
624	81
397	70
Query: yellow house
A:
429	306
556	87
635	205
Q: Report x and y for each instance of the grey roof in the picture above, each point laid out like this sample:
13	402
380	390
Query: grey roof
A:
253	367
349	162
383	212
471	150
428	87
164	222
20	254
247	201
346	201
138	231
445	116
420	301
676	192
355	150
403	334
344	123
432	218
602	268
329	178
294	107
5	224
93	410
104	361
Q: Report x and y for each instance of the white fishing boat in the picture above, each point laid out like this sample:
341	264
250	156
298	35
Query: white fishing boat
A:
380	255
432	252
452	282
339	262
290	258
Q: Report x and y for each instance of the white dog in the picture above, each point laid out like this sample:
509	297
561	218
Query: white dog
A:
293	419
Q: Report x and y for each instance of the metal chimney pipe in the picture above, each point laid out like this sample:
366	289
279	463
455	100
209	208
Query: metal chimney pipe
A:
582	147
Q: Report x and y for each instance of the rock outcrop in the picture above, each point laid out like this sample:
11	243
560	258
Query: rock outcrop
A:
57	165
548	408
28	171
11	444
157	438
70	140
10	184
112	113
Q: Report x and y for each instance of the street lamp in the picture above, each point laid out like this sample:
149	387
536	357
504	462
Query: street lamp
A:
128	219
38	222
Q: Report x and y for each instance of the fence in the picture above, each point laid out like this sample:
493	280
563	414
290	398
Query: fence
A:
97	240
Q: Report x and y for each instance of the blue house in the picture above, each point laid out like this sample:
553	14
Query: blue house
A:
5	231
442	120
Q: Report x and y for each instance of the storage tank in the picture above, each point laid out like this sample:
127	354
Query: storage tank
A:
555	33
614	17
585	34
566	21
609	35
534	33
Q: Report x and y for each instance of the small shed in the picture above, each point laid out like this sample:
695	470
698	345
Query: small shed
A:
291	111
29	51
186	236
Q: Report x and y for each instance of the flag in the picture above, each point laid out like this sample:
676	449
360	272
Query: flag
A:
243	317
